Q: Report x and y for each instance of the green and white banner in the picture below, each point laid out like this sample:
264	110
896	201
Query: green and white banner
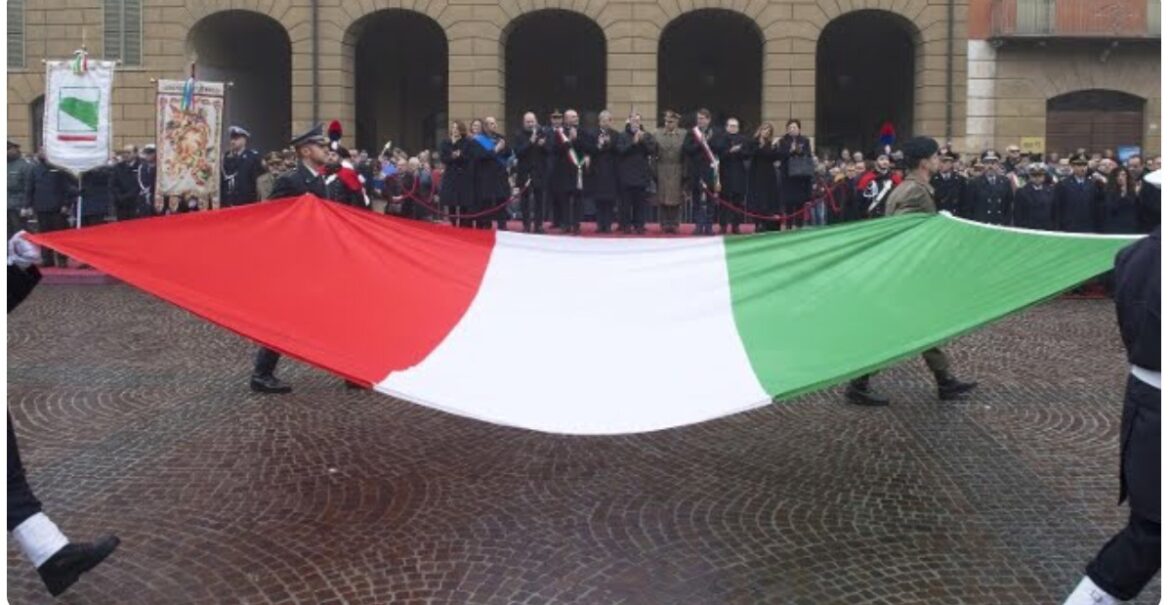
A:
77	134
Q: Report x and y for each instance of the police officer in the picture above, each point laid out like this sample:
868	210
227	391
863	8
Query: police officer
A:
59	562
1034	206
1078	199
312	154
914	195
950	187
1131	558
990	197
241	167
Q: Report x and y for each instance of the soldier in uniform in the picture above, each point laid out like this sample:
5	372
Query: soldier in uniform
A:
989	198
59	562
701	171
949	186
1131	558
312	153
635	147
528	145
241	167
875	187
914	195
1078	199
564	179
1034	208
668	164
731	149
602	176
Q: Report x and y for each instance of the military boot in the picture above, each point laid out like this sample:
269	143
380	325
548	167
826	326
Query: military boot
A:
859	393
950	388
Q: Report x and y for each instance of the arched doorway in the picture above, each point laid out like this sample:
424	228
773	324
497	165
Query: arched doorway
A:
865	77
252	51
725	77
553	59
1095	120
400	80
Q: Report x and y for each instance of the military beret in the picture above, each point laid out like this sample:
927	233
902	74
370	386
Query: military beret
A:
670	114
919	148
314	136
556	113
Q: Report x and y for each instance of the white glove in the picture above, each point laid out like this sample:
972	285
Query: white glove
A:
22	252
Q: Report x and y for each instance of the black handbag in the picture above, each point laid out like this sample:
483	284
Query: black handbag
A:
801	165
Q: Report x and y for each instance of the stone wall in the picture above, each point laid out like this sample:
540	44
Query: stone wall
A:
475	32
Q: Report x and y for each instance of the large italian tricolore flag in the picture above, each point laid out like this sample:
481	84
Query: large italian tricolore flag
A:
585	336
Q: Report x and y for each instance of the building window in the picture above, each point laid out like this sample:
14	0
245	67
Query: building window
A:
15	33
123	22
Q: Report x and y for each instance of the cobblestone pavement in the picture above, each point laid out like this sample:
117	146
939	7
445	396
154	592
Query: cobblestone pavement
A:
134	417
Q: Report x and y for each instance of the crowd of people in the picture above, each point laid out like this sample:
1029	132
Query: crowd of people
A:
556	175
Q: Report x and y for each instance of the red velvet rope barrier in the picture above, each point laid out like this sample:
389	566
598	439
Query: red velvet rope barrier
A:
783	218
429	205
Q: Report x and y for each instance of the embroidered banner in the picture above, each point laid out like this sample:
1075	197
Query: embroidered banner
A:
189	135
77	113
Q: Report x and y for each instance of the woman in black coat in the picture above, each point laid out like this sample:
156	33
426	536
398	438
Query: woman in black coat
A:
795	191
1121	203
763	195
457	192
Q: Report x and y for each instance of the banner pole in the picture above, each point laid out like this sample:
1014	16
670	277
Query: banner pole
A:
79	193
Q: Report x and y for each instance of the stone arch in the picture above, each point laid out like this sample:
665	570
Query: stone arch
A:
727	80
253	51
858	90
405	102
583	75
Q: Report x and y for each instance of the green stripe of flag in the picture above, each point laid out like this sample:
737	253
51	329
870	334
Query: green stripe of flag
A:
820	306
81	110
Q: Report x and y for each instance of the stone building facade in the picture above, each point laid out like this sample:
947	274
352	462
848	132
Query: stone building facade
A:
401	69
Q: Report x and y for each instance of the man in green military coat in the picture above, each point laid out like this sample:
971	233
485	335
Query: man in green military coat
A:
915	195
669	169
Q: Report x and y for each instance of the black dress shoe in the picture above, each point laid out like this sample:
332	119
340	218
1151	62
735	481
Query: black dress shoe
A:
64	568
269	384
863	396
951	388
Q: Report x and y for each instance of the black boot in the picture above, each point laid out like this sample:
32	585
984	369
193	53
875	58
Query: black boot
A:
858	393
268	383
64	568
950	388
